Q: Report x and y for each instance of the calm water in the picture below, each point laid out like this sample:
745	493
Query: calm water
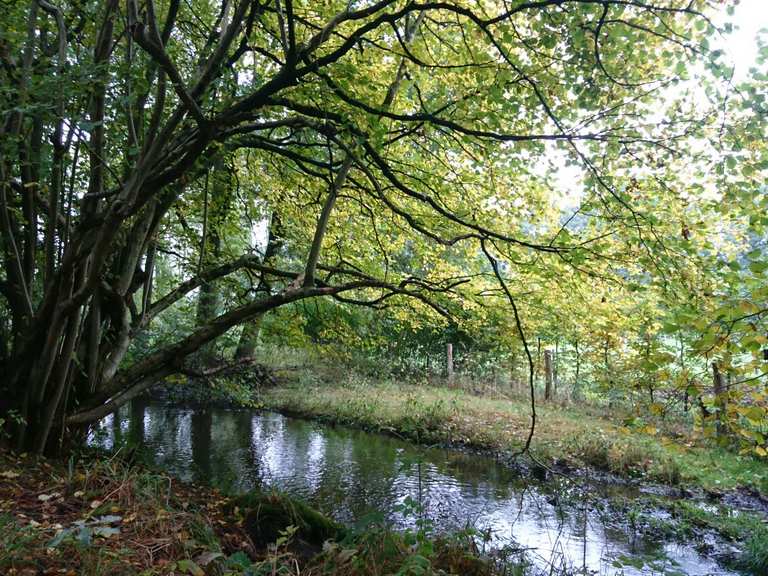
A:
351	475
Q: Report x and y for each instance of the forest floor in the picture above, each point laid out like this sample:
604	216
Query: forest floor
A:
100	515
103	517
568	438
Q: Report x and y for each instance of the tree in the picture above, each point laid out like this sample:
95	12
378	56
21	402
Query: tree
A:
373	141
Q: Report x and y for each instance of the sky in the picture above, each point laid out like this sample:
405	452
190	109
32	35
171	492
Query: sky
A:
740	46
749	18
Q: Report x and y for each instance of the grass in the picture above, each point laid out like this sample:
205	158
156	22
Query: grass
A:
100	515
747	529
730	525
573	436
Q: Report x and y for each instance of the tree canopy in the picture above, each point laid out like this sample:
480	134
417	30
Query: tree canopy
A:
575	159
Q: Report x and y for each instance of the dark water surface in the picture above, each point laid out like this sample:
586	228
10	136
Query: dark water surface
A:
351	474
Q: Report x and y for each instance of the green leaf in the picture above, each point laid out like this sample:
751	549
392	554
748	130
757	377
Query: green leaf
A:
758	267
190	567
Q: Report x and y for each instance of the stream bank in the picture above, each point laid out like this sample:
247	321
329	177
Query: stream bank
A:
98	514
358	478
575	440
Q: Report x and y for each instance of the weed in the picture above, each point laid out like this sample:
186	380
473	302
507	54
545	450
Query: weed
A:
755	556
14	540
592	449
667	469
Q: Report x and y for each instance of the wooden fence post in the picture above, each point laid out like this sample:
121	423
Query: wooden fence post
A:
449	360
555	360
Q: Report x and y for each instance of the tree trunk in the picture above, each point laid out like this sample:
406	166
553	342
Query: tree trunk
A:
513	381
577	375
555	360
721	401
136	431
249	339
538	359
215	211
549	375
202	445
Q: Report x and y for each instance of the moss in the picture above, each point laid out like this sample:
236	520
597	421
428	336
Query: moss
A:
267	516
456	559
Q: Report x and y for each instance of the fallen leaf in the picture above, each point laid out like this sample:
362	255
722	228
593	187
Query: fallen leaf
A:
105	531
208	557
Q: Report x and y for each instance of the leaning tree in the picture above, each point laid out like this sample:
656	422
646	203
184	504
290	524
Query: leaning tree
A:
399	129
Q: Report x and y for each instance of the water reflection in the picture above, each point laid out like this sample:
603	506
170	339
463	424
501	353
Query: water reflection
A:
351	474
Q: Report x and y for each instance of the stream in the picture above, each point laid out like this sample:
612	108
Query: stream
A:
353	476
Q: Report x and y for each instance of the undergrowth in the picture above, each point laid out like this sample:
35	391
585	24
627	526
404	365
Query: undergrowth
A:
102	515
